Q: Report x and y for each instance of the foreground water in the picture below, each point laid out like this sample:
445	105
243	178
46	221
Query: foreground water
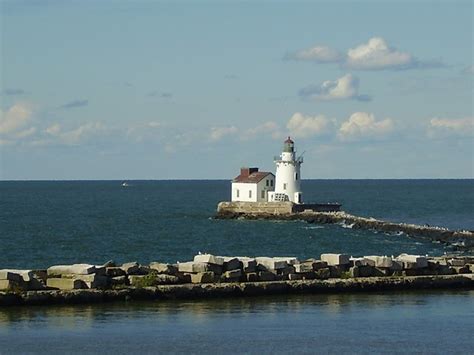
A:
440	322
45	223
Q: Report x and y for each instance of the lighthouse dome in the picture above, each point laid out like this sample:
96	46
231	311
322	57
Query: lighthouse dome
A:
288	146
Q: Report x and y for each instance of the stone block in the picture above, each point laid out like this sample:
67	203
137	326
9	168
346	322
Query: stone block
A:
335	271
354	271
380	261
184	278
132	268
119	281
78	269
295	276
248	264
412	261
471	267
232	274
65	284
12	285
366	271
335	259
203	277
161	268
461	269
232	263
209	259
396	265
381	272
26	275
266	276
456	262
266	263
35	284
6	274
358	261
304	267
318	264
194	267
114	271
323	273
93	280
290	260
251	277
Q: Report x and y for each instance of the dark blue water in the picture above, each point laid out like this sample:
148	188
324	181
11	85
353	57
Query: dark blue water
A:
431	323
45	223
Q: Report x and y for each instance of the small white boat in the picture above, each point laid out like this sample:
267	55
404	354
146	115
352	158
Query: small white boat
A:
125	184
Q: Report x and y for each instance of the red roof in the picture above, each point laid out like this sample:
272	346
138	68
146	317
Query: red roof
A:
288	140
253	178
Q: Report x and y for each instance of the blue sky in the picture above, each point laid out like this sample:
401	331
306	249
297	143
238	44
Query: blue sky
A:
183	90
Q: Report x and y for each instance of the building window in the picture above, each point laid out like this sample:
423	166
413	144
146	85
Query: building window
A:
238	193
263	193
296	176
271	182
268	183
250	193
284	186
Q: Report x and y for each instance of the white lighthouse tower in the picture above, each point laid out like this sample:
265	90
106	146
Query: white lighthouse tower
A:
287	177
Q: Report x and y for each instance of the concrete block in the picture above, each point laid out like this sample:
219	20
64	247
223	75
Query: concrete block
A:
335	259
6	274
357	261
65	284
380	261
114	271
412	261
232	263
290	269
93	280
119	281
266	276
323	273
396	265
252	277
461	269
354	271
304	267
209	259
319	264
194	267
378	271
271	263
78	269
290	260
335	271
456	262
248	264
12	285
35	284
161	268
232	274
132	268
26	275
203	277
366	271
295	277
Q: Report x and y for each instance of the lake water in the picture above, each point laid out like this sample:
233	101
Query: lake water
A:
47	223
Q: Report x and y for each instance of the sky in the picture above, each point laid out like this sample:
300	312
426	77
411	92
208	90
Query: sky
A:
196	90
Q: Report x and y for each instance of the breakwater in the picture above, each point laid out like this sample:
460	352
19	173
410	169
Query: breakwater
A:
461	239
209	276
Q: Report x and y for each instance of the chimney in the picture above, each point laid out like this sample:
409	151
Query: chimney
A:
245	172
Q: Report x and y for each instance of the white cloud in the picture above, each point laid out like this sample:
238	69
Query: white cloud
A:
73	136
319	54
441	127
376	54
15	118
217	133
268	128
346	87
303	126
362	125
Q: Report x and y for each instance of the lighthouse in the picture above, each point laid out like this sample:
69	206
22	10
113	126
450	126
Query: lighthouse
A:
288	176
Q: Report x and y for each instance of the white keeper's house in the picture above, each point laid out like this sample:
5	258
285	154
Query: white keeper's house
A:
252	185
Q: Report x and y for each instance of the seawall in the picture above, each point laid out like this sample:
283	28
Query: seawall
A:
462	239
210	276
244	289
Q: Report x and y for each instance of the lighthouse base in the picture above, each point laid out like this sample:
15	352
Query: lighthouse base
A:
274	208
